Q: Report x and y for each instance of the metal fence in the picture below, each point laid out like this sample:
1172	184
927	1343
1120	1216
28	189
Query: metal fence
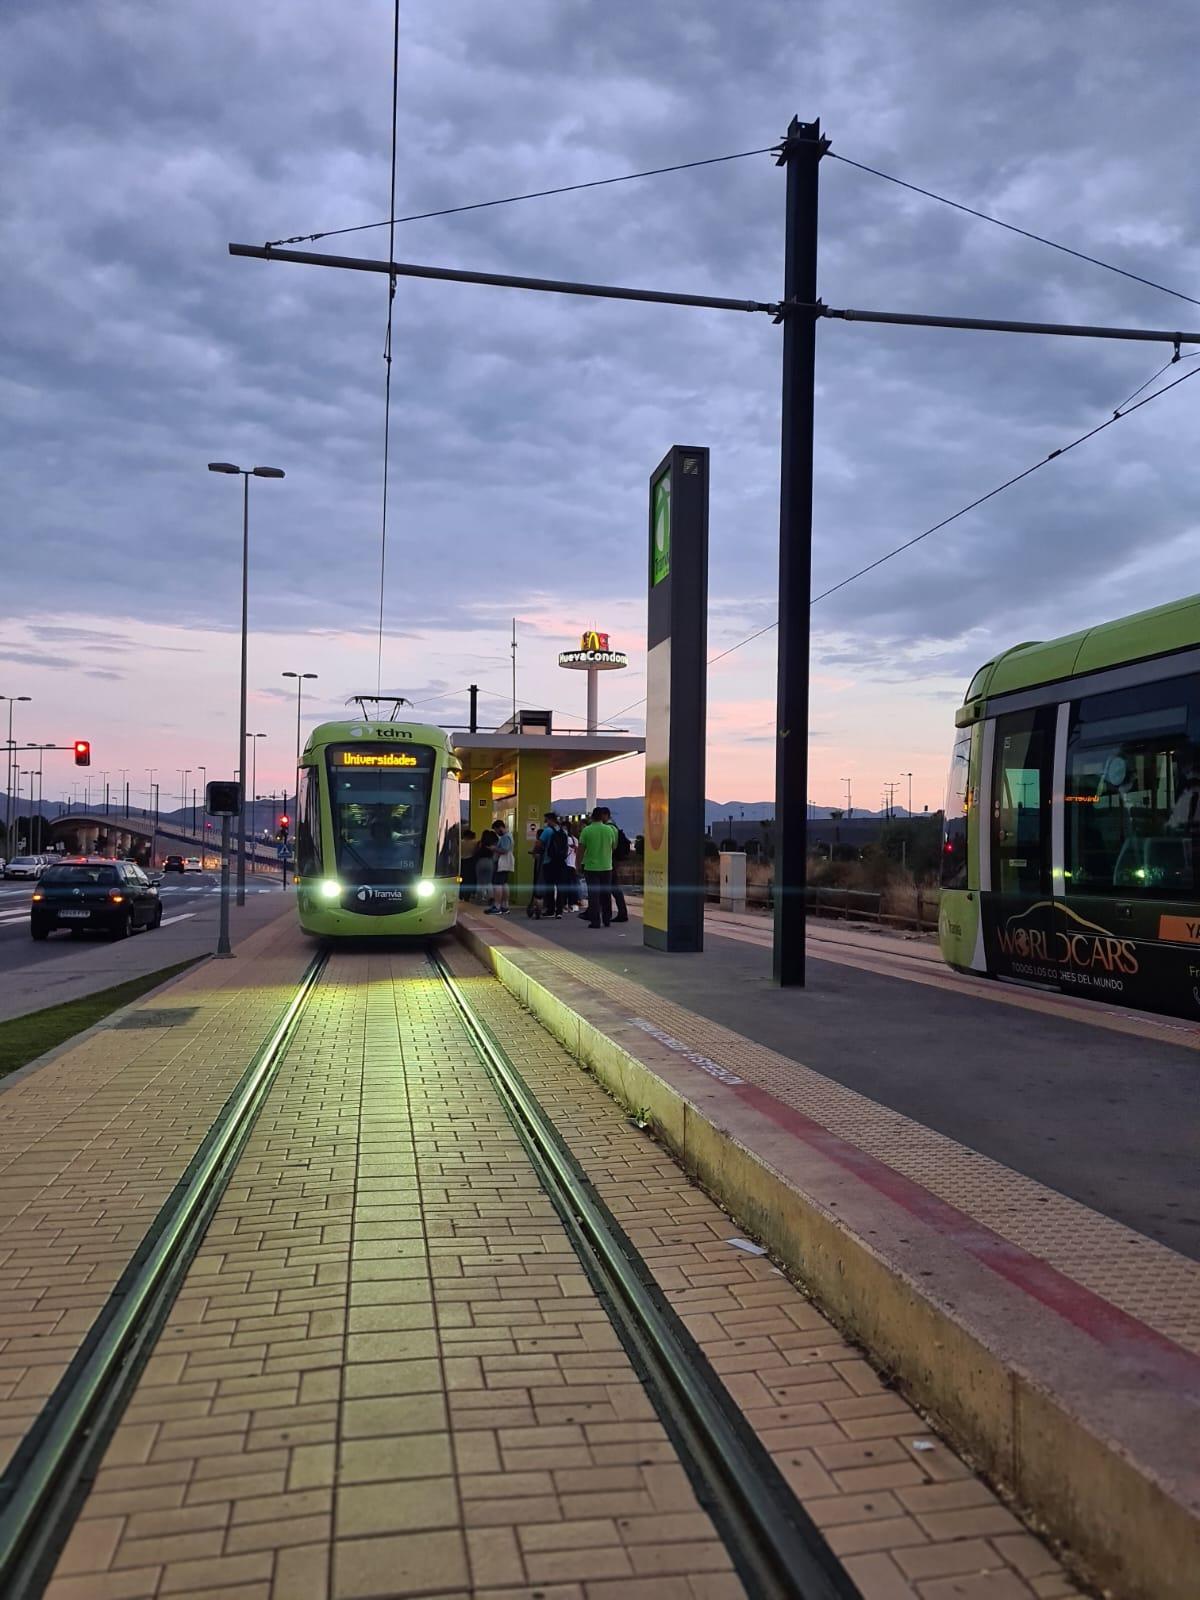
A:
851	905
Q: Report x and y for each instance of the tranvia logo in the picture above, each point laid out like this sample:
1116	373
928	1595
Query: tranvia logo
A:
356	733
363	894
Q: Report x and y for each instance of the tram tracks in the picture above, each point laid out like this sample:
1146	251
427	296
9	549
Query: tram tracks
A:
775	1547
46	1481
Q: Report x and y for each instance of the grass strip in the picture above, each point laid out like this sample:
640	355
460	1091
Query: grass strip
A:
23	1039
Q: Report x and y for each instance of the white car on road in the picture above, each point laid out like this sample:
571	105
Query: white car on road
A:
24	867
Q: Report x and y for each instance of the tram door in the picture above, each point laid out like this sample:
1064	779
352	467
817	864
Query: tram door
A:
1021	802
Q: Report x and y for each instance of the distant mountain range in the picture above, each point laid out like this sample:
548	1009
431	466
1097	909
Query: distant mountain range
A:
628	809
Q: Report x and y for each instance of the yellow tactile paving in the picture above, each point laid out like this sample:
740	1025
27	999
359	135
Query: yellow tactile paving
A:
92	1143
386	1374
1145	1279
907	1519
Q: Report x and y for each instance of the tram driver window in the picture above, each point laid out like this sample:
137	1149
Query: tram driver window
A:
1133	792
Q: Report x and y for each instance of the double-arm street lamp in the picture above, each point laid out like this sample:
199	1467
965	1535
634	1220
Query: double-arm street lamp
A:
299	677
246	473
13	699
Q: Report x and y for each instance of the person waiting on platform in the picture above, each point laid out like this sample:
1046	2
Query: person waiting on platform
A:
485	865
552	861
470	842
596	841
572	866
621	849
506	860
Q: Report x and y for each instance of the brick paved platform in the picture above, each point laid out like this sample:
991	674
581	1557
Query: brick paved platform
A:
386	1373
93	1141
1061	1347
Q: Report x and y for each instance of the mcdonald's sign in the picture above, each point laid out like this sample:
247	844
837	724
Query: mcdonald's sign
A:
594	652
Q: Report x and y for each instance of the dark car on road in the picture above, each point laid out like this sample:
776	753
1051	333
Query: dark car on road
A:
173	864
86	894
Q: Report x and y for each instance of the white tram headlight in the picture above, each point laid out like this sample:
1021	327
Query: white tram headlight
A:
425	889
330	890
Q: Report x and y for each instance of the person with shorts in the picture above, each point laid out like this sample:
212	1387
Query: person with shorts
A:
506	860
485	865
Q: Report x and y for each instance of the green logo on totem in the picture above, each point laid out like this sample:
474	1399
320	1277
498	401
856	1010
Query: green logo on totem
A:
660	550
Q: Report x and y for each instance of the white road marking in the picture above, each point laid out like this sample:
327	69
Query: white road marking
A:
181	916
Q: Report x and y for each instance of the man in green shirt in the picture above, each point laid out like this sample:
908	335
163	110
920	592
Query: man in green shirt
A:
596	840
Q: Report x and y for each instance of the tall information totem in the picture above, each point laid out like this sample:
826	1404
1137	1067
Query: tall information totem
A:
677	638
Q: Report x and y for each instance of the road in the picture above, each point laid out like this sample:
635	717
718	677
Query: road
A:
63	968
184	897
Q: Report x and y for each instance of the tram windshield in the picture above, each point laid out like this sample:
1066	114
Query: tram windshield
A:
380	810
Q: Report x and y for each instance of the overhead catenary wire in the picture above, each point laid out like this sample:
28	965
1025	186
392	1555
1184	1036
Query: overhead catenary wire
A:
1124	410
387	343
1011	227
392	220
512	199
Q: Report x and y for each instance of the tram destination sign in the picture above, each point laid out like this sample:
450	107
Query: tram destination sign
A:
376	758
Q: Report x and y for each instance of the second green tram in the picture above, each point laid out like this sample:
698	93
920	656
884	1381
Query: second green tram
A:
377	830
1071	852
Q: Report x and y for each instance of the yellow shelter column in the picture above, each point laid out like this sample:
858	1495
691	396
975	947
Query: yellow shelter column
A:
481	804
533	801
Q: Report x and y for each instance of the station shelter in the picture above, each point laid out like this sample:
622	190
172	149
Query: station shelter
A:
510	769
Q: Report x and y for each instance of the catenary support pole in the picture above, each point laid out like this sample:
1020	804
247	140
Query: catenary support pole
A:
241	767
801	155
473	691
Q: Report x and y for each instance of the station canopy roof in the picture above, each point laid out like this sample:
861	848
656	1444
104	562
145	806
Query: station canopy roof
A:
495	752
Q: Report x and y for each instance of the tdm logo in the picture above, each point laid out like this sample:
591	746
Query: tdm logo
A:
1081	946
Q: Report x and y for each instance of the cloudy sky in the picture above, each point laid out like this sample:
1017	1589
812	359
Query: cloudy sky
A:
140	138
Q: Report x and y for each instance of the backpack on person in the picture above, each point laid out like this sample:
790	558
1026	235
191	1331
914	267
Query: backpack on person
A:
558	847
622	849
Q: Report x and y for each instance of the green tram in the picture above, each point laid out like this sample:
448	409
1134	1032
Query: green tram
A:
1071	852
377	830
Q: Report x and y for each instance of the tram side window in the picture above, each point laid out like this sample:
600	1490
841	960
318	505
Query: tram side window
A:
1133	792
308	826
958	806
1021	802
451	829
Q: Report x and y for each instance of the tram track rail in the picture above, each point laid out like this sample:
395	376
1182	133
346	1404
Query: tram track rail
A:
48	1477
777	1549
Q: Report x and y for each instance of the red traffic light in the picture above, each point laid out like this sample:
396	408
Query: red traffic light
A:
283	822
83	753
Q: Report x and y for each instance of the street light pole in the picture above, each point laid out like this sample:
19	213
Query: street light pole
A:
246	473
909	776
184	774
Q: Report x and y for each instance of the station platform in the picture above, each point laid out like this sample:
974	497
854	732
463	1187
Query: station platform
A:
386	1370
956	1170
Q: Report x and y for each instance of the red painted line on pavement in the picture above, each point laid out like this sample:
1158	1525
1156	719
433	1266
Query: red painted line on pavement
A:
1107	1324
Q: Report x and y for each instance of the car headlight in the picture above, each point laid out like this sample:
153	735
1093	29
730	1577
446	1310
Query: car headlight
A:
425	889
330	890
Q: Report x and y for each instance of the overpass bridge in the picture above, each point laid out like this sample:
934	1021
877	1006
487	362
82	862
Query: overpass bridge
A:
148	841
